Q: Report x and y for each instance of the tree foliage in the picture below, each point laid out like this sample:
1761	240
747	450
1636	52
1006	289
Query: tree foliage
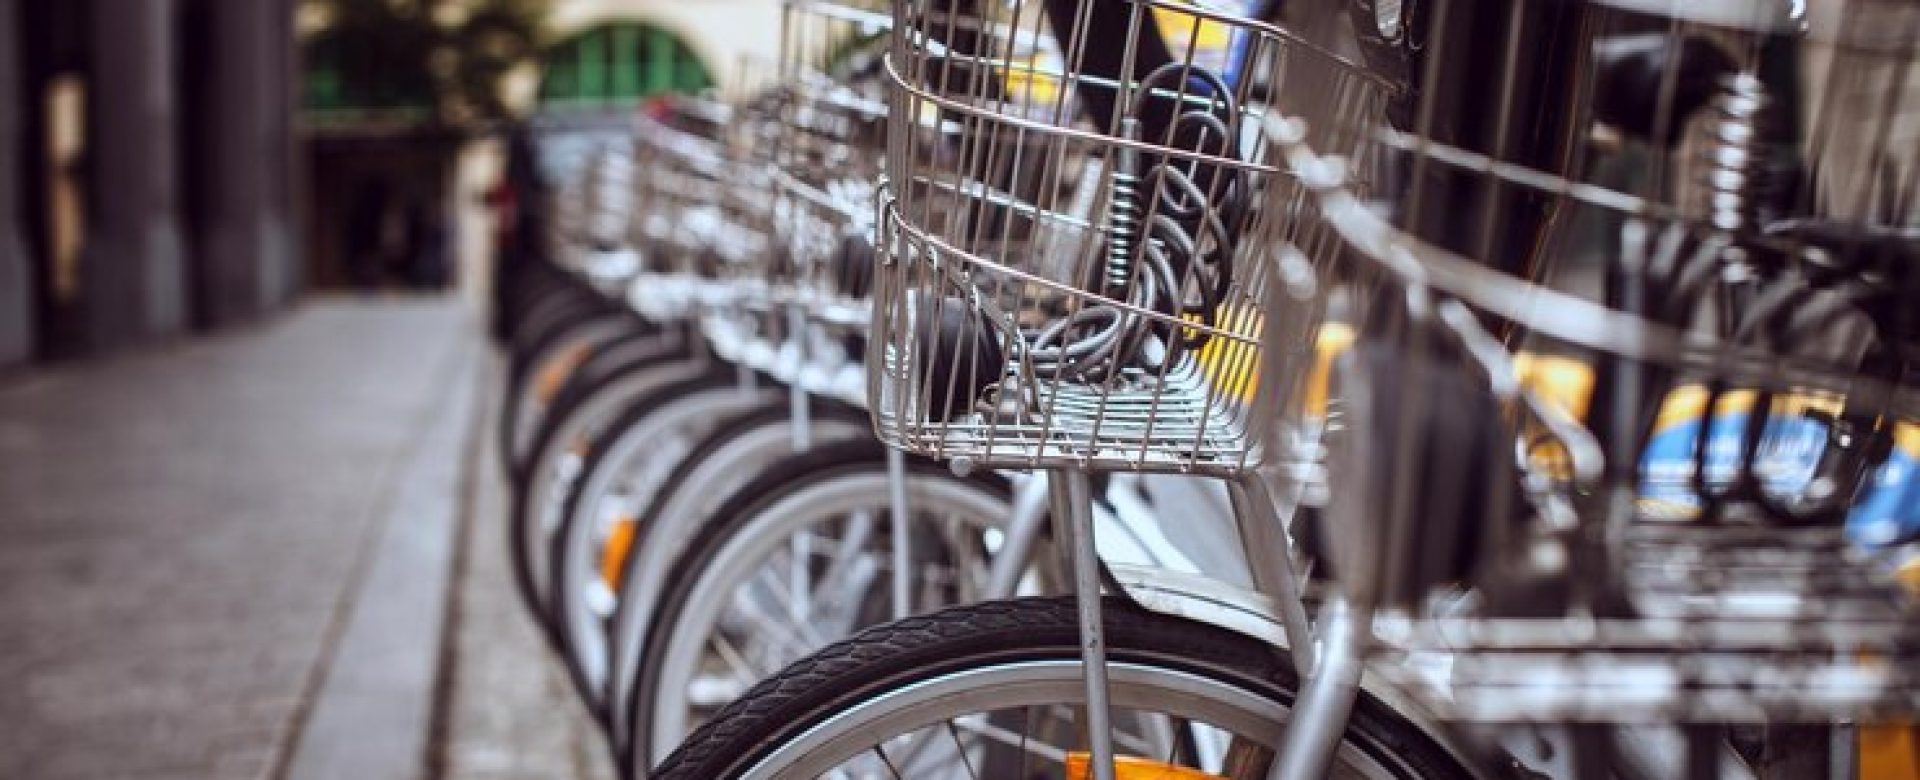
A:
449	58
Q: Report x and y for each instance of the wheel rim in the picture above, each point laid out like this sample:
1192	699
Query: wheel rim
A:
557	466
941	727
641	460
728	469
851	510
556	364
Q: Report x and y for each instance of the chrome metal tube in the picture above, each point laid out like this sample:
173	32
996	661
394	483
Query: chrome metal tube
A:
1023	530
1072	494
1262	526
902	533
1326	701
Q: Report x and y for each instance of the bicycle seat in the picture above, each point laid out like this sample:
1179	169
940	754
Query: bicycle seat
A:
958	358
853	266
1461	495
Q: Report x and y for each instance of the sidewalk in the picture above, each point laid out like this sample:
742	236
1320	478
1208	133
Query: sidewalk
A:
204	548
273	555
511	710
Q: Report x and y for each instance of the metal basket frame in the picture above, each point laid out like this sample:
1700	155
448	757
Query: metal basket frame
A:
1730	615
997	207
699	229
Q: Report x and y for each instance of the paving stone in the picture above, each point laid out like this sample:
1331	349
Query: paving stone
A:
512	711
179	529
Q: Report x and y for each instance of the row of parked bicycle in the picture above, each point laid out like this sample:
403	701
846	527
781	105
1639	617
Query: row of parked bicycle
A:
1163	389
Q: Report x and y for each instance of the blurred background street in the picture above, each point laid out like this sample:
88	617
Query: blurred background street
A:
233	558
248	527
500	389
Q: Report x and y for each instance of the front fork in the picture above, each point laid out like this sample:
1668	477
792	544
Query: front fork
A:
1071	494
1330	666
1328	698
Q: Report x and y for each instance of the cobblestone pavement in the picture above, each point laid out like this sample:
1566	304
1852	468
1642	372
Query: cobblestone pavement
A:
181	530
511	708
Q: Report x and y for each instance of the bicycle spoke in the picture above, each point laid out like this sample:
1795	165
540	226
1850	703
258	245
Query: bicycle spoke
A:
736	660
1121	739
961	750
849	547
802	636
1022	741
1026	728
881	751
799	579
1180	725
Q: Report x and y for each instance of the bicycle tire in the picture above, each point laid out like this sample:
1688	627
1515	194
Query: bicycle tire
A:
516	291
916	650
659	536
555	311
637	442
808	471
556	358
591	408
606	367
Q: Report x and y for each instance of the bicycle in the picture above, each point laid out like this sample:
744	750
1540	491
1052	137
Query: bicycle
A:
1015	328
619	514
627	433
1512	566
1674	573
717	540
553	335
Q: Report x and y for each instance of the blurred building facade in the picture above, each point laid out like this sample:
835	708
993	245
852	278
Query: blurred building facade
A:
397	181
602	59
146	178
171	166
732	39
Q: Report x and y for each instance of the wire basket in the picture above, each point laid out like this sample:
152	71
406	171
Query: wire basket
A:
699	219
1627	433
832	117
825	120
1068	275
582	155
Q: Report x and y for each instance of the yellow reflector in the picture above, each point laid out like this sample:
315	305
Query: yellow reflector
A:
1230	364
1031	82
1562	381
1080	766
613	554
1688	403
1180	26
1333	339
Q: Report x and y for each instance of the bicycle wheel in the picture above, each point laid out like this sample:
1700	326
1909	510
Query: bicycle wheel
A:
990	690
554	465
535	378
738	453
567	304
624	472
797	561
552	397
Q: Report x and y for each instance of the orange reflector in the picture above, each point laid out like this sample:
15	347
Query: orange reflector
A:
1889	752
1080	767
613	554
554	375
